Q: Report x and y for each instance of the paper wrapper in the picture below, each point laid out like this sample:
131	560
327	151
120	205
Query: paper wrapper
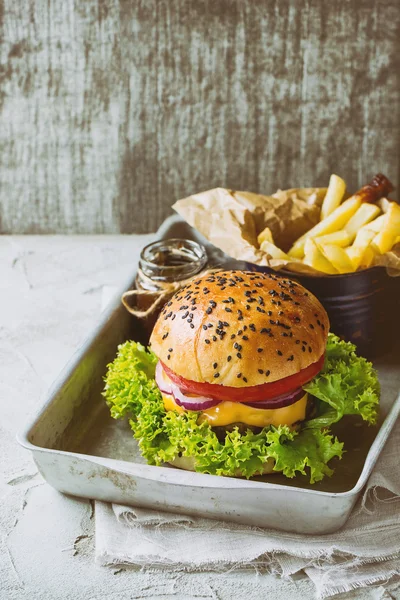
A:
232	220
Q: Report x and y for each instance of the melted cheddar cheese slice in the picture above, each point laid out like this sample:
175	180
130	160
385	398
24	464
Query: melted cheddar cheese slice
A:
226	413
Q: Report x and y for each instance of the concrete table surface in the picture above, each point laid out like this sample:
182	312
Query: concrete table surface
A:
51	290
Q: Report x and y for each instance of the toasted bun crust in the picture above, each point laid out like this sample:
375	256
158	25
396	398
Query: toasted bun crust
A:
188	464
259	325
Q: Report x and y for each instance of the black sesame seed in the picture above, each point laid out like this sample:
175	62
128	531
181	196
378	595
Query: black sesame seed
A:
303	348
244	379
279	352
252	327
214	339
297	341
260	371
291	357
260	349
267	373
169	349
207	341
216	375
169	356
228	309
311	326
239	355
269	313
247	306
205	327
173	317
233	336
215	365
245	338
209	311
191	326
309	349
239	375
229	358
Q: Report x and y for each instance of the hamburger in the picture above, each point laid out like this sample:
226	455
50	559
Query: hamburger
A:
242	378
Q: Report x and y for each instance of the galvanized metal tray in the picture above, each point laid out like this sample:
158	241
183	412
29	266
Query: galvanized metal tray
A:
80	450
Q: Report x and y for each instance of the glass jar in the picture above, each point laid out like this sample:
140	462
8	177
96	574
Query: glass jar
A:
169	261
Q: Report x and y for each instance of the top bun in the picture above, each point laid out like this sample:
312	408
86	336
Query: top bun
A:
240	329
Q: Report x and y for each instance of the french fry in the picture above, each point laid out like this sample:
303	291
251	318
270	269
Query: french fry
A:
314	258
336	220
363	238
265	236
375	225
355	254
273	250
337	257
384	204
334	196
365	214
367	258
361	248
384	240
339	238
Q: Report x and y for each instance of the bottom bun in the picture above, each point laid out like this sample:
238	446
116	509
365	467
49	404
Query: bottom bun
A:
188	464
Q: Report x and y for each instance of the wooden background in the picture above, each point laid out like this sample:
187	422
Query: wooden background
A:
110	110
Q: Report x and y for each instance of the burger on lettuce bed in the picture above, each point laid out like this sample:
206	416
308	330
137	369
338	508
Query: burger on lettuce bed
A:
242	378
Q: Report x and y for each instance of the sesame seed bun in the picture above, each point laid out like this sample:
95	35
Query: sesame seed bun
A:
222	324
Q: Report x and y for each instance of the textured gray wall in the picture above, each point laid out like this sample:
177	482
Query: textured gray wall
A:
111	110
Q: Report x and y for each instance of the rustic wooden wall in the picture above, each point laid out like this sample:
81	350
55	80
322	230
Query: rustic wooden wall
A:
110	110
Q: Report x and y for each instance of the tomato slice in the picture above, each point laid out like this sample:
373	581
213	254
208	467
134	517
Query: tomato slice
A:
253	393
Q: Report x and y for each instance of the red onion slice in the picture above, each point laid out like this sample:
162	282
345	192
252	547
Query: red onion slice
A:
166	386
163	382
278	401
193	402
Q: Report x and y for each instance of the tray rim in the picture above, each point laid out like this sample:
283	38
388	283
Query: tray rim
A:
157	473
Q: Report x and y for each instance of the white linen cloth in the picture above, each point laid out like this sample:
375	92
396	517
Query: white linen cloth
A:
365	551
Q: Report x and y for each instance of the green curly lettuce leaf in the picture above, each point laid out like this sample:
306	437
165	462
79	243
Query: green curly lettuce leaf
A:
347	385
130	390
